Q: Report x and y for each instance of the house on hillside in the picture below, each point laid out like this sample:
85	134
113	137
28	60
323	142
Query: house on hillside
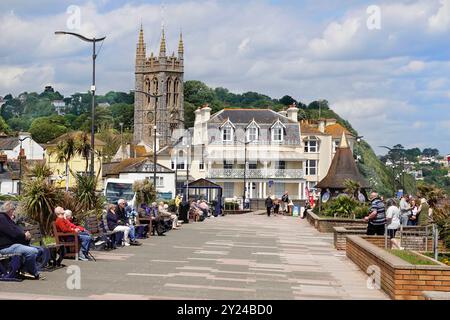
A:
60	107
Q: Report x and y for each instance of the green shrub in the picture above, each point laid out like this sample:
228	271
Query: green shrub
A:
344	207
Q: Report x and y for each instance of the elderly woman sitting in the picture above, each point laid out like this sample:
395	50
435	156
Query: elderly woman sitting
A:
64	225
163	212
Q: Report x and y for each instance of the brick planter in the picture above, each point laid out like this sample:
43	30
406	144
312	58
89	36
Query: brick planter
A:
399	279
341	233
327	224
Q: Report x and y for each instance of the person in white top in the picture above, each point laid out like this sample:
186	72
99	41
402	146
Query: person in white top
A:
393	222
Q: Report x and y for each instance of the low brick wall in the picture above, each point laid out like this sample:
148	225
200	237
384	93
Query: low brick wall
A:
326	224
416	243
399	279
341	233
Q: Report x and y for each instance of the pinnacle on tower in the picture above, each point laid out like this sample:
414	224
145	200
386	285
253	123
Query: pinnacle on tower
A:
140	51
162	48
181	47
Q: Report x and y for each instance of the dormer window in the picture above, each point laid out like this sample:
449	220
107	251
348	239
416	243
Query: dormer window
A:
277	134
227	131
227	134
252	131
277	131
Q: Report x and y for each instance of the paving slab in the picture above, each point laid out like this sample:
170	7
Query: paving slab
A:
239	257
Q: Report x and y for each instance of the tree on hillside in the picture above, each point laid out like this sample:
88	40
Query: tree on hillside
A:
288	101
319	104
20	123
4	126
412	154
46	129
430	152
83	148
123	113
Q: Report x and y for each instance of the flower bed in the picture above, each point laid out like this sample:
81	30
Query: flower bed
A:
398	278
326	224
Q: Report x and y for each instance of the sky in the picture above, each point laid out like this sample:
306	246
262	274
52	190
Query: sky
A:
383	65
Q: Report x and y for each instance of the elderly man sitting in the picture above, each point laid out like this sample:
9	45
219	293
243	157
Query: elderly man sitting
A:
13	240
163	211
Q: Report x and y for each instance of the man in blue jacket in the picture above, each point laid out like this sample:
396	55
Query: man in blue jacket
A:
13	240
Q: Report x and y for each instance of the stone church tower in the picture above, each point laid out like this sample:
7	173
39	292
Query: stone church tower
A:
162	75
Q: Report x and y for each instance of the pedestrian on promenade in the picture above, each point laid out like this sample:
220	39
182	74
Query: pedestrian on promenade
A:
393	222
412	221
285	201
376	219
276	206
269	205
405	210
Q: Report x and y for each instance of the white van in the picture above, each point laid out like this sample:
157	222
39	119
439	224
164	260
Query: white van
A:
116	189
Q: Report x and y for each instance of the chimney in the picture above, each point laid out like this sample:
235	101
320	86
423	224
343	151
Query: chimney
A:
198	116
206	110
292	113
321	126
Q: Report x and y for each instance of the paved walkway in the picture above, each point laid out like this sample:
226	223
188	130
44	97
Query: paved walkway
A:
233	257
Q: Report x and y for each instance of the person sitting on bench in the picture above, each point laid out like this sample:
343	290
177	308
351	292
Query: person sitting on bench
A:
121	213
13	240
164	213
116	225
64	225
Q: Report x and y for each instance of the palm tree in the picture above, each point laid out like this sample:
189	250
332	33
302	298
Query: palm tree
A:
39	200
65	150
83	148
41	170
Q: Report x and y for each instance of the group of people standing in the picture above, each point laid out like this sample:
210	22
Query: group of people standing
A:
284	204
407	212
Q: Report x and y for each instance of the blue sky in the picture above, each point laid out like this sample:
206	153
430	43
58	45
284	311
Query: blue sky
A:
392	83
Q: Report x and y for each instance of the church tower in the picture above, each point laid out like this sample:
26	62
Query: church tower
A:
161	75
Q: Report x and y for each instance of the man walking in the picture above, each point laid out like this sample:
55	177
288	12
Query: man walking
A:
285	201
377	216
269	205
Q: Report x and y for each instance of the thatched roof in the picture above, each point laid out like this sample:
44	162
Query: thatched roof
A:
342	167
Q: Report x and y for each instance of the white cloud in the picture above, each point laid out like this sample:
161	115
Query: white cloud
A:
336	37
441	20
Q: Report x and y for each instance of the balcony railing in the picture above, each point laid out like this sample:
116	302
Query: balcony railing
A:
255	173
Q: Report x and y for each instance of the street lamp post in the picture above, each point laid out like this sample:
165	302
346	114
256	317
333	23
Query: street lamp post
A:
20	163
94	57
121	139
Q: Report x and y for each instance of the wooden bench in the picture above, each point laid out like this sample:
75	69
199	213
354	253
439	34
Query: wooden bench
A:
53	253
93	226
145	222
68	240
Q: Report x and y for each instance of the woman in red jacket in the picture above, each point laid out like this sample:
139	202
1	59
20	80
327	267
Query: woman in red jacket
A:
64	225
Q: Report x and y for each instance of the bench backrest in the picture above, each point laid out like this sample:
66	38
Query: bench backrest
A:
36	235
92	225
